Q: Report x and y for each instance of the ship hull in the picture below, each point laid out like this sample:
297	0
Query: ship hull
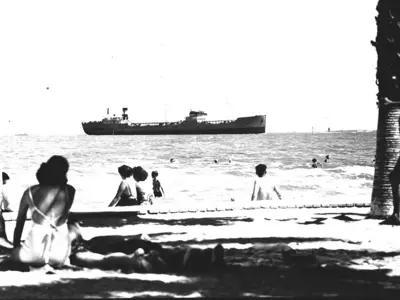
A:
245	125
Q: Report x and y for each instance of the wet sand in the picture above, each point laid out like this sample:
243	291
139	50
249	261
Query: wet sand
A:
269	252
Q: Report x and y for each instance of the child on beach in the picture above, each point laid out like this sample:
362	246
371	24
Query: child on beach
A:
262	189
158	191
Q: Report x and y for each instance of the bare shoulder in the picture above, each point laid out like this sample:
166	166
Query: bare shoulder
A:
71	189
32	188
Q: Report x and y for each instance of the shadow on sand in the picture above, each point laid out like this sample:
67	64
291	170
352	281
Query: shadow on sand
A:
117	222
259	270
232	281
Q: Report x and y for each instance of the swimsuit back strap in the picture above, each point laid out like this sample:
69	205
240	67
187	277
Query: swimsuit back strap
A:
35	208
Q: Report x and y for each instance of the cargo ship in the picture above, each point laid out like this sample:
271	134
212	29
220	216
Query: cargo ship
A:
195	123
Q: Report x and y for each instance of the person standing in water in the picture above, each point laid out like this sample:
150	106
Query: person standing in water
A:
126	194
262	189
158	191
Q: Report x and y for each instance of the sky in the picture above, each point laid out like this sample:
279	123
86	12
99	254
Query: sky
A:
303	63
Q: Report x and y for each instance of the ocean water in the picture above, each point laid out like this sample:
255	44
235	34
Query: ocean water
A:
194	177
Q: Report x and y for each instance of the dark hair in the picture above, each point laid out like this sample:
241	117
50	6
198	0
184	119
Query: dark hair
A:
5	176
261	169
125	171
154	174
139	174
54	171
314	160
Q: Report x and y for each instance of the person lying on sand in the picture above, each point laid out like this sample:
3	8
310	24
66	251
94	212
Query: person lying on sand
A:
262	188
49	202
126	194
138	254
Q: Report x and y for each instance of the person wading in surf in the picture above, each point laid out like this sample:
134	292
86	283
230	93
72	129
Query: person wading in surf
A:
262	188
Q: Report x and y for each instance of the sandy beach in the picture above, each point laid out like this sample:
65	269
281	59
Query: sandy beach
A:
269	252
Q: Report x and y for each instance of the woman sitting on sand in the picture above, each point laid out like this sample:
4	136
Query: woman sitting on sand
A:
144	195
262	189
49	202
126	194
138	254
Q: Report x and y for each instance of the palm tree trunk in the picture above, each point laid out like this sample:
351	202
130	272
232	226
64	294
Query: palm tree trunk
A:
385	193
387	155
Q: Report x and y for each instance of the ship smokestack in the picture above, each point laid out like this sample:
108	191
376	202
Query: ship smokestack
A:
124	114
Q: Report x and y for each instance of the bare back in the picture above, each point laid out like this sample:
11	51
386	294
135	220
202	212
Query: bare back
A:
53	201
263	190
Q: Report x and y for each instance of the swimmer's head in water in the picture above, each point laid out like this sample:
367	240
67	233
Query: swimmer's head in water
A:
125	171
139	174
5	177
261	170
154	174
172	160
314	160
215	161
327	157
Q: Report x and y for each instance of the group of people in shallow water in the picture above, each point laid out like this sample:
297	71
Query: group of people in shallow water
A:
317	164
131	191
55	242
